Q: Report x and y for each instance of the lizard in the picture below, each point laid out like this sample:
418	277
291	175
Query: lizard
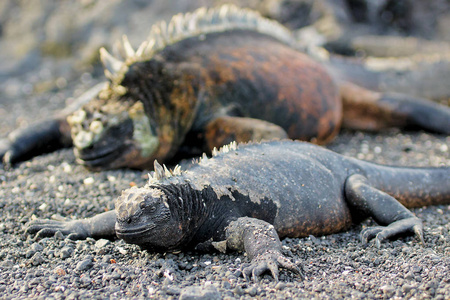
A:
214	76
248	196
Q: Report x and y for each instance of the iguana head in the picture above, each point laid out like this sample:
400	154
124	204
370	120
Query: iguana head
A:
143	217
113	131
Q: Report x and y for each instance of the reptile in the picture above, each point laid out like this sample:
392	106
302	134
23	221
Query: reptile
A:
247	197
211	77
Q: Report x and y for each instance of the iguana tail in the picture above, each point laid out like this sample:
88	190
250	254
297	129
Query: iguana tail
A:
413	187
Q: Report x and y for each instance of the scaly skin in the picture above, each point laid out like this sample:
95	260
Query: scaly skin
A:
246	199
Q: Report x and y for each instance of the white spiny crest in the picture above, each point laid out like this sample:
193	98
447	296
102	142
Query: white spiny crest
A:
112	65
159	170
177	170
167	173
182	26
129	51
162	172
204	158
215	152
141	48
227	148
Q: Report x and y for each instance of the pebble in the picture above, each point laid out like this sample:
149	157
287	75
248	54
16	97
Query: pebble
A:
208	292
65	252
102	243
37	259
84	265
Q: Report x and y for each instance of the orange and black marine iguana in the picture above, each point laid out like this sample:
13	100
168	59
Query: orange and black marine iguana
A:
211	77
246	197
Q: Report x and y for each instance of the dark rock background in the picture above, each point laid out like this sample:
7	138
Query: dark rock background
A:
49	56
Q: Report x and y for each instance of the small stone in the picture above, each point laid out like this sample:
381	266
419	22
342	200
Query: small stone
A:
65	252
66	167
280	286
84	265
238	291
171	290
388	290
59	271
122	251
406	288
252	291
208	292
37	259
88	181
102	243
86	280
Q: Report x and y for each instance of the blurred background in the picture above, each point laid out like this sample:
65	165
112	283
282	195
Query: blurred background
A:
49	48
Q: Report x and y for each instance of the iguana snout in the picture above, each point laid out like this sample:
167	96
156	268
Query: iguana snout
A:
143	217
112	134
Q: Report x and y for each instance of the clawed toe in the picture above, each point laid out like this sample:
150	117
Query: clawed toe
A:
269	263
47	228
382	233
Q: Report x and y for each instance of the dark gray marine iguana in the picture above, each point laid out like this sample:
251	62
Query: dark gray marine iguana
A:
215	76
246	197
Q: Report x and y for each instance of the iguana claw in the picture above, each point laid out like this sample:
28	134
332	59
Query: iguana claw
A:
73	230
269	261
381	233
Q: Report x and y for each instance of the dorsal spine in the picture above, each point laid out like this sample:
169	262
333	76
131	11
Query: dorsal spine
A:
182	26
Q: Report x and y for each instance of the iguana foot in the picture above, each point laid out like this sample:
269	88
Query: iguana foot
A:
74	230
269	261
381	233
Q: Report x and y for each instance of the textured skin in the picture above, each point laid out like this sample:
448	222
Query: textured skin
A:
182	98
246	199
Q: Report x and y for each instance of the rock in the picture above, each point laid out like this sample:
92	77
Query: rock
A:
101	243
37	259
200	293
84	265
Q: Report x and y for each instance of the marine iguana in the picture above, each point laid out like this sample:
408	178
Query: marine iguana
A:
246	197
211	77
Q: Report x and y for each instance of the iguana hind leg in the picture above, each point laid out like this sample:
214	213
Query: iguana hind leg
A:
368	110
383	208
226	129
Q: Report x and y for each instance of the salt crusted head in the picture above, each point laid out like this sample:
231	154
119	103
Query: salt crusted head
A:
113	130
150	216
144	218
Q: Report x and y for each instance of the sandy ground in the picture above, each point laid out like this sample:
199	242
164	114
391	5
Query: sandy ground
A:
336	266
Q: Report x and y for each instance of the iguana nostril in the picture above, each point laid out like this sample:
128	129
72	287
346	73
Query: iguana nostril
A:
142	205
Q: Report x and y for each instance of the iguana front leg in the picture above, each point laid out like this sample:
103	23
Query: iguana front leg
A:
44	136
38	138
261	243
383	208
226	129
99	226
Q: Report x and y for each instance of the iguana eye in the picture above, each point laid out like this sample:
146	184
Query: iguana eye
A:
150	207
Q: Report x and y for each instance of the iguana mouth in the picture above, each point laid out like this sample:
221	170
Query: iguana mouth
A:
92	158
133	234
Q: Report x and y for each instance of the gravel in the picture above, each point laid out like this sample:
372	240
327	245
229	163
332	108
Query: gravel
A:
336	266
